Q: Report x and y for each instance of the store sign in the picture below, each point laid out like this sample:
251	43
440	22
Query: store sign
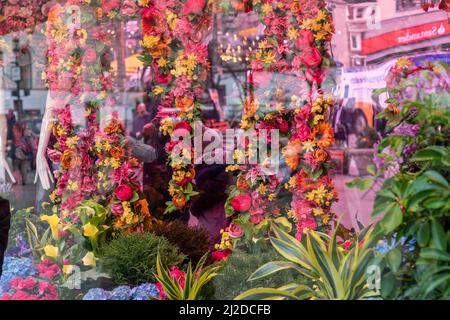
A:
405	36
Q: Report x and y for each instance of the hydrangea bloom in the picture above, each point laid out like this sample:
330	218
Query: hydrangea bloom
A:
15	268
121	293
97	294
145	291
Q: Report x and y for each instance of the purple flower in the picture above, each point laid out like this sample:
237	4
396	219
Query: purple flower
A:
409	150
406	129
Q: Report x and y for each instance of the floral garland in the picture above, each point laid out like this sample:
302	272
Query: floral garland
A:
291	59
173	34
95	163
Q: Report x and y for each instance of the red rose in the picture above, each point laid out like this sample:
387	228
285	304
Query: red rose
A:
220	255
315	76
183	125
163	78
193	6
123	192
241	203
90	56
256	219
311	57
305	39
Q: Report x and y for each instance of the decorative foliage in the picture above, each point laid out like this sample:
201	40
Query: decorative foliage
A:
131	258
178	285
337	273
194	242
414	200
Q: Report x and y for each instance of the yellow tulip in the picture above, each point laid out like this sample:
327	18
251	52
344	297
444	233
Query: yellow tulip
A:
51	251
90	230
89	259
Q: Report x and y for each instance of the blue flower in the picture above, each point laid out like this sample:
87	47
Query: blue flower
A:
97	294
15	268
145	291
121	293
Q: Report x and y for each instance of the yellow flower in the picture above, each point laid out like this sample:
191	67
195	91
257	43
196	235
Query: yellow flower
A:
266	8
309	145
162	62
262	188
292	33
53	222
403	62
51	251
150	41
144	3
321	15
232	167
158	90
317	211
90	230
89	259
67	269
269	58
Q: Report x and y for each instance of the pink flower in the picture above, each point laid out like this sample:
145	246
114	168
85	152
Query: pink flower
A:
241	203
315	76
129	8
303	132
123	192
193	6
305	39
235	230
108	5
117	209
311	57
347	244
303	225
90	56
255	219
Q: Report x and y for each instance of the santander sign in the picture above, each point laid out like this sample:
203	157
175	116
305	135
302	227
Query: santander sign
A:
405	36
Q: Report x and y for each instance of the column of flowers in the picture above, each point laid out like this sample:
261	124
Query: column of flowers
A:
174	48
288	71
95	162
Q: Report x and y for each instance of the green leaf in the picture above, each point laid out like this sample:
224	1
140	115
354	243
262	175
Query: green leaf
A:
371	169
423	236
435	254
360	183
392	219
428	154
438	235
436	177
270	268
265	294
394	259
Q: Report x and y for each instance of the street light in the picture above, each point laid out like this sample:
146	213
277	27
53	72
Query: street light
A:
16	76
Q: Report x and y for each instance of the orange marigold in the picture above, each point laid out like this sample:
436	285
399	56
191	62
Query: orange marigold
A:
323	134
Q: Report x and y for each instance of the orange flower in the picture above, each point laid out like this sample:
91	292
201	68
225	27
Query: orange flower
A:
179	200
242	183
323	134
159	50
143	204
117	152
98	13
249	107
321	155
296	8
393	109
292	153
69	160
184	103
113	126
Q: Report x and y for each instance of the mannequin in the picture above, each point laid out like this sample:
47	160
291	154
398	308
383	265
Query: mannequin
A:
4	165
92	154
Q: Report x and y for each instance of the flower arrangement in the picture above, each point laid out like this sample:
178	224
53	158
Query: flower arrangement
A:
287	73
94	158
17	15
173	47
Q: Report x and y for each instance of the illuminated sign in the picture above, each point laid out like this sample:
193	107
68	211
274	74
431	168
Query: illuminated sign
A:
405	36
